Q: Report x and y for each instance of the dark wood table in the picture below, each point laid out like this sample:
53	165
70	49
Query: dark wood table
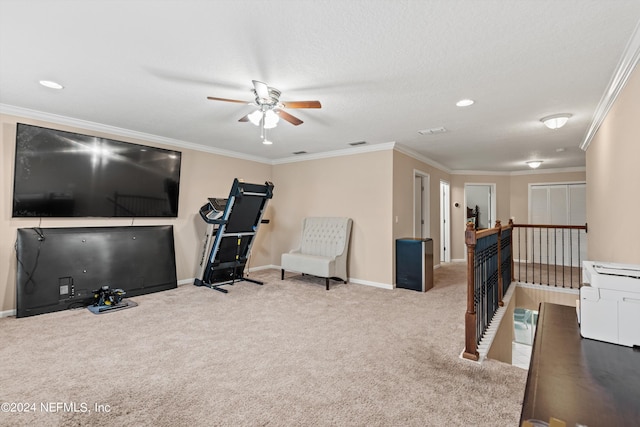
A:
578	380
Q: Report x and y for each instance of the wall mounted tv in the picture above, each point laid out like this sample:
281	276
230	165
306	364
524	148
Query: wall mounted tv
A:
64	174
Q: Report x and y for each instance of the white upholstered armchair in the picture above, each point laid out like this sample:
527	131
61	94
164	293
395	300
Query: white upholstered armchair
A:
323	250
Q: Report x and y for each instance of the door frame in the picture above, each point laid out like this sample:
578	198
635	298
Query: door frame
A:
492	202
424	203
445	221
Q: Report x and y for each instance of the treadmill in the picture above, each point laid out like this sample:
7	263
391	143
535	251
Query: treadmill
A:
232	224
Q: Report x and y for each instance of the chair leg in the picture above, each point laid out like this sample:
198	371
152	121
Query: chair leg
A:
282	274
327	283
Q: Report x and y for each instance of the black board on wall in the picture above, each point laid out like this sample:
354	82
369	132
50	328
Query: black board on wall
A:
59	268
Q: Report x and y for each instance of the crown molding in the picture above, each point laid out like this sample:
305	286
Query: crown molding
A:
548	171
336	153
472	172
113	130
625	68
411	153
21	112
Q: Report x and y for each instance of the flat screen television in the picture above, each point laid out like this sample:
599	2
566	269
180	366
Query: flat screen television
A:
64	174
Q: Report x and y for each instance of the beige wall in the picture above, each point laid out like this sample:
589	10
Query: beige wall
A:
202	175
403	199
613	180
357	186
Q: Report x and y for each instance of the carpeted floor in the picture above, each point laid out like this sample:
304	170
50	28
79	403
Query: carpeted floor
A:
287	353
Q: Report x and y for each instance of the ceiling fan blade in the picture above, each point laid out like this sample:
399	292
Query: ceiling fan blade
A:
262	90
302	104
288	117
213	98
244	119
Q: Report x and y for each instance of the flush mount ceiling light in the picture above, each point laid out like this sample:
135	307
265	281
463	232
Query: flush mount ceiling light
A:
534	164
556	121
465	102
50	84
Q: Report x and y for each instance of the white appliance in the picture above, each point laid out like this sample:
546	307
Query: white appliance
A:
610	303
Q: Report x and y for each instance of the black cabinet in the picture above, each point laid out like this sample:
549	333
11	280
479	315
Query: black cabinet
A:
414	264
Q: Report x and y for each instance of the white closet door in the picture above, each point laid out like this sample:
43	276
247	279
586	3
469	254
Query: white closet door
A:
539	214
558	215
558	204
578	216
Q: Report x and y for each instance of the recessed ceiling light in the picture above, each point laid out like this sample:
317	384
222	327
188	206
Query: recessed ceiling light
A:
465	102
50	84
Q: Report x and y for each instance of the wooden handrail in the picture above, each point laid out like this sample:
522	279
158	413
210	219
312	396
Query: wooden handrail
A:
569	227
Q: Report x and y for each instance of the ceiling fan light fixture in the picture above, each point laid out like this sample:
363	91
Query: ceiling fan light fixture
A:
270	119
556	121
534	164
255	117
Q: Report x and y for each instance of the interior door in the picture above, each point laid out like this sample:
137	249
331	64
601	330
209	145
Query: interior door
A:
445	228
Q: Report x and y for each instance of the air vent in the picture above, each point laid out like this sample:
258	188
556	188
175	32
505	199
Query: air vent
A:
432	131
299	152
353	144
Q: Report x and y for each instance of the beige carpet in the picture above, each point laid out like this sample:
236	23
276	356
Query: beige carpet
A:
287	353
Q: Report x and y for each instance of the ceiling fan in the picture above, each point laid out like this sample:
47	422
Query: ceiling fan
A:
270	108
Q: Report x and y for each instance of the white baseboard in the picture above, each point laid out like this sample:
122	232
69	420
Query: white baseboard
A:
370	283
7	313
186	281
277	267
263	267
548	288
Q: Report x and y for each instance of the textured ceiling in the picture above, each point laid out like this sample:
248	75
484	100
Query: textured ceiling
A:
382	70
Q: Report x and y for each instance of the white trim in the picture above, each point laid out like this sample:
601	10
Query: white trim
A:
186	281
263	267
20	112
426	202
548	171
466	172
493	195
459	260
7	313
370	283
336	153
113	130
409	152
625	68
548	288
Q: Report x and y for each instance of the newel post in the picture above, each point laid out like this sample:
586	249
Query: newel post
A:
500	284
470	338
